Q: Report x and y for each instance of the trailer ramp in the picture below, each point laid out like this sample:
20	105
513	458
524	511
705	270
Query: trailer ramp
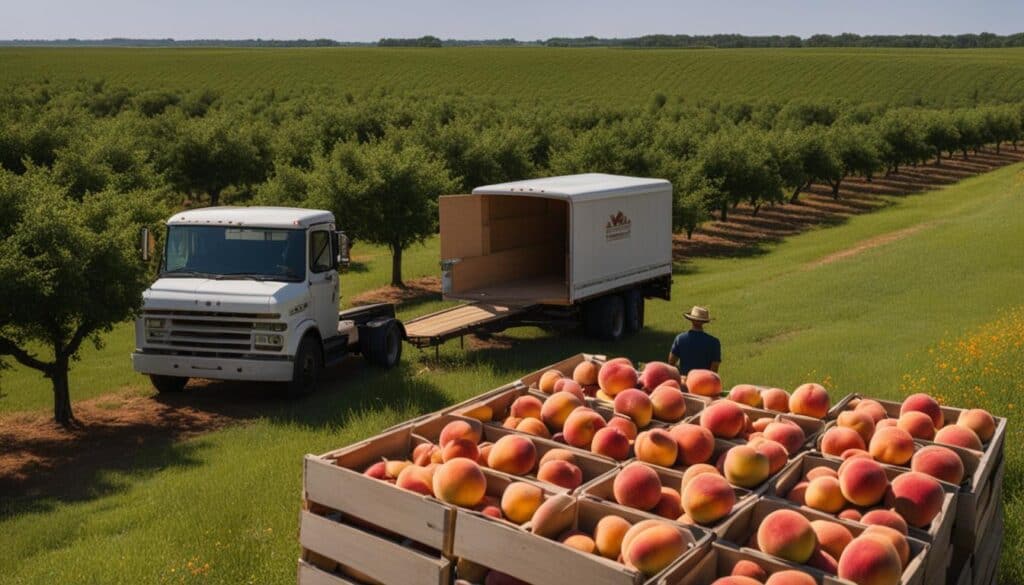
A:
436	328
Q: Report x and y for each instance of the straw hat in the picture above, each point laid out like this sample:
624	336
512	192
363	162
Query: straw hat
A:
699	314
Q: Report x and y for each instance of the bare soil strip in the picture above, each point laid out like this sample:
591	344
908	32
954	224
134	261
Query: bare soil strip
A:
868	244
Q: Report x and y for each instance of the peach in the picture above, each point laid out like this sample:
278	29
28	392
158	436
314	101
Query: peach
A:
654	548
745	394
724	419
580	541
788	535
585	373
979	421
824	493
484	451
460	429
511	422
513	454
790	435
526	406
850	514
832	536
893	537
558	455
736	580
821	471
580	426
636	405
888	518
424	454
703	382
459	448
822	561
759	425
707	498
918	498
696	443
798	493
533	426
886	423
482	413
958	436
416	479
554	516
624	425
569	385
378	470
863	481
561	473
745	467
854	453
608	535
695	470
745	568
872	408
774	451
668	403
460	482
790	577
670	505
611	442
656	446
921	402
892	445
810	400
775	399
614	377
557	408
939	462
917	423
859	421
546	384
839	439
870	561
637	486
394	468
520	500
655	374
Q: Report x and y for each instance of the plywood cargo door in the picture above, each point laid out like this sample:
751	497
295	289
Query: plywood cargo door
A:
462	225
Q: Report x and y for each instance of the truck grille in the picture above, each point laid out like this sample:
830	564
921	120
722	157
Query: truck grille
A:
210	332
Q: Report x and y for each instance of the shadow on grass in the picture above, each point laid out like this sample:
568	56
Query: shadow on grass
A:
42	465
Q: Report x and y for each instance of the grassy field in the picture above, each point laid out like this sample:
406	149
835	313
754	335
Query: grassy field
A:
605	76
222	508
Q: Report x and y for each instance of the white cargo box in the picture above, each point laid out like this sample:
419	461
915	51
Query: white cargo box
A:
557	240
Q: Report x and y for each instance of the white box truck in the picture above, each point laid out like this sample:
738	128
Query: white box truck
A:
252	293
584	249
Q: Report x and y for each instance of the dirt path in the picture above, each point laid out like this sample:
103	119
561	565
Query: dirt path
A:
868	244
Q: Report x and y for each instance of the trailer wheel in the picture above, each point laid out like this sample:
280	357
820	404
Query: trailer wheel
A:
383	343
634	300
605	318
168	384
309	362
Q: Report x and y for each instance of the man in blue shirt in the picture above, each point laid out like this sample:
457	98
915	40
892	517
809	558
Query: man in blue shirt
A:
695	349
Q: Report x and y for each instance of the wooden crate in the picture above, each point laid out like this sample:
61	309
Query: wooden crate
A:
938	535
326	537
592	466
565	366
723	556
811	427
336	480
984	472
980	567
742	526
694	405
601	490
519	553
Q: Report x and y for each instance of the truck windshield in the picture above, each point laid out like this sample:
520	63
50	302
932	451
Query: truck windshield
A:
234	253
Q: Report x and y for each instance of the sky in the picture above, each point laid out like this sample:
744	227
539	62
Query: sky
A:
347	20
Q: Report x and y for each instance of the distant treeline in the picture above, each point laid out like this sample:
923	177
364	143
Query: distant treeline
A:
721	41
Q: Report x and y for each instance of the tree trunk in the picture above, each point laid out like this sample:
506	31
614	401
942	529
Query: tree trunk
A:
725	211
214	197
757	208
689	233
61	395
938	158
835	188
796	194
998	145
965	153
396	266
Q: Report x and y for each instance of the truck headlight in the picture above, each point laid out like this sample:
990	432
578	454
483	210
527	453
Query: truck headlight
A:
154	323
273	342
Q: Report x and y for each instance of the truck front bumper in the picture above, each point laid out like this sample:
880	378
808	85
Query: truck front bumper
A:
212	368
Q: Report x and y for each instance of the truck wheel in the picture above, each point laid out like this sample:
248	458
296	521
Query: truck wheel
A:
309	362
634	300
383	343
168	384
605	318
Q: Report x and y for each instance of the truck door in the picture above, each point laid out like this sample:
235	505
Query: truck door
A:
323	281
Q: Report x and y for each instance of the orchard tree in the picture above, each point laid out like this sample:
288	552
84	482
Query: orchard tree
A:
940	133
857	148
69	270
384	191
805	157
902	138
691	192
971	135
739	166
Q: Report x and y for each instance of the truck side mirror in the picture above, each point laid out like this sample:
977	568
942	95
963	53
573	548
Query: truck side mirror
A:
343	245
145	245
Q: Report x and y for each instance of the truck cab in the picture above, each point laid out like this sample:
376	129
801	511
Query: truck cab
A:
252	293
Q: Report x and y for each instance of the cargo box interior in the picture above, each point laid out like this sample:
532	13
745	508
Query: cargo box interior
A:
510	249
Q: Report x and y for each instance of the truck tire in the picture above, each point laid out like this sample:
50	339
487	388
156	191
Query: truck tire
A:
383	343
168	384
634	300
605	318
309	362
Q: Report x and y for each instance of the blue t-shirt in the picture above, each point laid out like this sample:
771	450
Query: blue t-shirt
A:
696	350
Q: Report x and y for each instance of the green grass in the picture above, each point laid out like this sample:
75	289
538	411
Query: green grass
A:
605	76
222	508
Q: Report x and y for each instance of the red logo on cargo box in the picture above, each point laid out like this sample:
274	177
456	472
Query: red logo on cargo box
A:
618	227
